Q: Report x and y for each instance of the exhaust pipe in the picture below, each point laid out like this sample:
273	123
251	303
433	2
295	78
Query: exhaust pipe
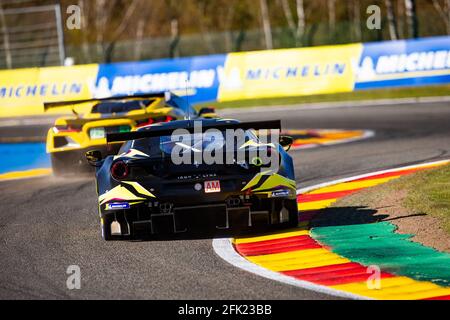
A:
165	207
233	202
115	228
284	214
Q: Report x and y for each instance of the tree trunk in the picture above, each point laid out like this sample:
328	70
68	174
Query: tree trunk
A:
400	19
331	4
444	13
411	17
297	29
357	20
228	29
266	24
205	31
289	18
8	59
301	24
84	35
239	40
447	3
139	36
392	21
109	51
174	52
100	14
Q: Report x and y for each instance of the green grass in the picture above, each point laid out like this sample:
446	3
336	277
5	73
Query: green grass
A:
425	192
405	92
429	192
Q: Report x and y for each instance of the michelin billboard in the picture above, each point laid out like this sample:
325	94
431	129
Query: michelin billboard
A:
197	77
289	72
235	76
404	63
23	91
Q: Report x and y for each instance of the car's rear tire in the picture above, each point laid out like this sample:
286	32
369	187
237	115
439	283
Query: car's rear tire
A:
106	229
292	207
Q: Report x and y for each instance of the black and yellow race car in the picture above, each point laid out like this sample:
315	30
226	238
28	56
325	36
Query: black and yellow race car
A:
142	191
71	136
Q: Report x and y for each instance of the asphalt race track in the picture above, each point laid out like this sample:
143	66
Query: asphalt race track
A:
48	224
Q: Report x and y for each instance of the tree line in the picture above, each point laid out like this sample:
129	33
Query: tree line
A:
273	23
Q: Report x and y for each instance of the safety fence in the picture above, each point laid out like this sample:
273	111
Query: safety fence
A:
236	76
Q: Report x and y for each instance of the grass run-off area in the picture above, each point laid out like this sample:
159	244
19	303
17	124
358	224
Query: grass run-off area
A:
428	192
425	192
393	93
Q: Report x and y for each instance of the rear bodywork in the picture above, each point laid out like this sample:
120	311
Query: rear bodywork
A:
158	196
71	136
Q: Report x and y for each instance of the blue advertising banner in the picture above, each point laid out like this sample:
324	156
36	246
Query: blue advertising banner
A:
404	63
236	76
198	77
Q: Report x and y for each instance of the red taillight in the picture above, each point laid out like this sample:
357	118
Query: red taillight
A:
66	129
155	120
146	123
119	170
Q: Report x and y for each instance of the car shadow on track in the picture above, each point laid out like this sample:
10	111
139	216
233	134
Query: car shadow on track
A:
341	216
209	233
329	217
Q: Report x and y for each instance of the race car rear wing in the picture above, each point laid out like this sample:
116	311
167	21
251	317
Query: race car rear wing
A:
161	131
60	104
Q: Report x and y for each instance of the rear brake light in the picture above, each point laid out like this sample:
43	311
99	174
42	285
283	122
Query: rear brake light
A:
155	120
119	170
145	123
59	129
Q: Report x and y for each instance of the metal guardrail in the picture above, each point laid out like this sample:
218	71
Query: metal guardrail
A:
34	42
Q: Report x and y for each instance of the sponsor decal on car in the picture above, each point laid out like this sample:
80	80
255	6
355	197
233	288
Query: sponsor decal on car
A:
196	176
280	193
212	186
118	206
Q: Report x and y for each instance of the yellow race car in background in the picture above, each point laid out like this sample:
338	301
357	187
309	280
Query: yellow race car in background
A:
72	136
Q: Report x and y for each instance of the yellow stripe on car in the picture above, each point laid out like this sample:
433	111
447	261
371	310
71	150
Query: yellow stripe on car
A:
119	193
139	188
